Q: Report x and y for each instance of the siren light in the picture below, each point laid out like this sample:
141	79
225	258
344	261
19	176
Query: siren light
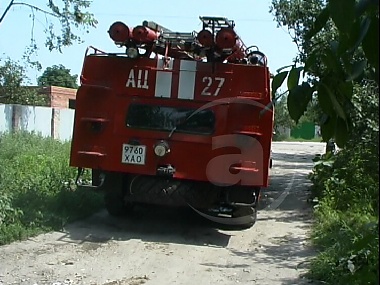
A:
144	35
205	38
226	38
119	32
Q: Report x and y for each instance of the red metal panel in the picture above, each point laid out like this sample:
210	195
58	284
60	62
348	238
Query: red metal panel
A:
236	93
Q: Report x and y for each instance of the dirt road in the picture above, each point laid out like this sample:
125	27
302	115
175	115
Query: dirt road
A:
171	247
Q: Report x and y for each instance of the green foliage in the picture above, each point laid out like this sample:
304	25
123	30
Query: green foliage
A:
282	119
70	13
312	113
293	139
58	75
37	190
277	82
338	43
364	114
338	49
298	100
350	243
281	116
347	188
279	137
346	228
349	180
12	90
300	17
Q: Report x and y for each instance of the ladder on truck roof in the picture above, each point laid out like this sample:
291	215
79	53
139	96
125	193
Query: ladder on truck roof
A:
217	22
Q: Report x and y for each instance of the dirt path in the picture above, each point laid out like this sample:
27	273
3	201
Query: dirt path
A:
170	247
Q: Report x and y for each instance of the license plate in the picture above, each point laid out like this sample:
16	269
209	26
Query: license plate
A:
133	154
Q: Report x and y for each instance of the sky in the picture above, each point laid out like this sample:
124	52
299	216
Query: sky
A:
253	23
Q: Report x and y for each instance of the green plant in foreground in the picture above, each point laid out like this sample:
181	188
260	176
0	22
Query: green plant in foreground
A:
350	248
346	230
37	191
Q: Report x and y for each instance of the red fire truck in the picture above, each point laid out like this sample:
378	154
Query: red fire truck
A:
180	119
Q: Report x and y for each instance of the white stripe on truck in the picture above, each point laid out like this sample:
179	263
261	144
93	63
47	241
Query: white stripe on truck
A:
187	79
163	79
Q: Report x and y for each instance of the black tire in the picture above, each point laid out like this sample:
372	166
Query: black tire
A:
244	211
114	196
245	195
114	205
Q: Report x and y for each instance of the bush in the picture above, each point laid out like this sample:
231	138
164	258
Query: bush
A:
349	244
347	216
277	137
37	190
346	228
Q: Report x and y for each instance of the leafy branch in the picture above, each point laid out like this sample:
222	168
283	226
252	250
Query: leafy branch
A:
340	50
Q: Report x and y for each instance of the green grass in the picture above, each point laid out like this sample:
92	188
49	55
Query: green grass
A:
37	189
285	138
346	229
291	139
349	244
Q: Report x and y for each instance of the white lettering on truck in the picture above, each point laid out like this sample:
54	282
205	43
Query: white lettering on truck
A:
140	81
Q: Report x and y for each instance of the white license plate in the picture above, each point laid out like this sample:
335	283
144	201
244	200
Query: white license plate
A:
133	154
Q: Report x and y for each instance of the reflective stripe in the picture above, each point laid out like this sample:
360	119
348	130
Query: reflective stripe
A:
163	79
187	79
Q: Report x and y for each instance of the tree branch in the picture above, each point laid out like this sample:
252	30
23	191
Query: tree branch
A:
6	10
36	8
12	3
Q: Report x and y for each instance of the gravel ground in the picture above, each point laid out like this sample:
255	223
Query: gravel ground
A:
167	246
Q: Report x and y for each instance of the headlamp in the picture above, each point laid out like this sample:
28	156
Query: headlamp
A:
133	52
161	148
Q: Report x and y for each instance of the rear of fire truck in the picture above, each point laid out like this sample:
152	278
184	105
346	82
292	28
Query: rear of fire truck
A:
177	119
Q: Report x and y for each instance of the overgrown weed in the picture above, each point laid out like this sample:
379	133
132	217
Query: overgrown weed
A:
37	191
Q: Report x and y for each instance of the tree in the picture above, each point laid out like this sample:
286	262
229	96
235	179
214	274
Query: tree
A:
339	51
58	75
339	48
12	90
282	119
67	14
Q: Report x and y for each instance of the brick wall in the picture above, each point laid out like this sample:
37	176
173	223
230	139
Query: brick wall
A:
59	96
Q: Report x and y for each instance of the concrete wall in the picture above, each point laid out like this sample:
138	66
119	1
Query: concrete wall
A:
5	118
65	124
47	121
31	118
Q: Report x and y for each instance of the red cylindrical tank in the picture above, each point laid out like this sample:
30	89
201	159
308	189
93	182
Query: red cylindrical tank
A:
143	34
205	38
226	38
119	32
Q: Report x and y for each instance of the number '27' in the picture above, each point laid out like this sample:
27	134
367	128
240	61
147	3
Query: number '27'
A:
209	82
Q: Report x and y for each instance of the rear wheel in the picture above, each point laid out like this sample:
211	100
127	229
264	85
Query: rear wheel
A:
114	196
249	213
245	208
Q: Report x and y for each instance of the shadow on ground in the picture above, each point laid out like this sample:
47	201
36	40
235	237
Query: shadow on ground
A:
150	224
170	225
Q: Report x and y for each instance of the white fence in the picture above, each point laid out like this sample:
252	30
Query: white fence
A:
49	122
